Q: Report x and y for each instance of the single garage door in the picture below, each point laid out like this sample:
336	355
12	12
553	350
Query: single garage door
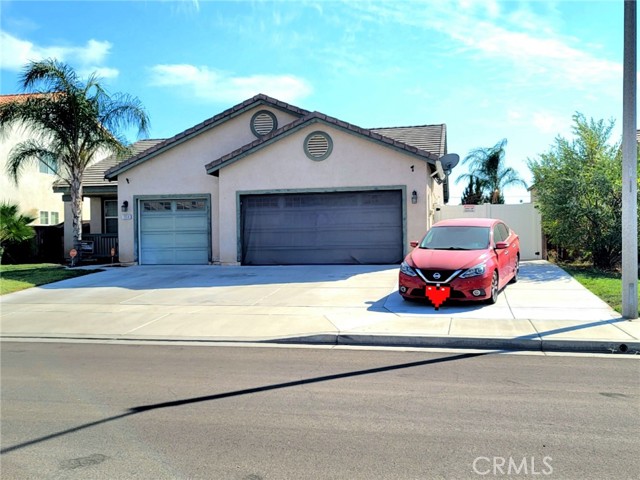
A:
322	228
174	232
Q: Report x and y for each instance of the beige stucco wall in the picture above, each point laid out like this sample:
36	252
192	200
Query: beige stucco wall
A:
34	193
95	207
354	162
181	170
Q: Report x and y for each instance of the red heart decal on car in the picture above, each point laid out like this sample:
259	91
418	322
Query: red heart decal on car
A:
438	295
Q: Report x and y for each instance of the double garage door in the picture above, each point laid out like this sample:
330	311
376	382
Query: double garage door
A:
322	228
280	229
174	232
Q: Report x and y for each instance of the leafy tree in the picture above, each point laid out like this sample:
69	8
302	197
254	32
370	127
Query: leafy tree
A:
472	194
488	168
578	186
14	227
70	123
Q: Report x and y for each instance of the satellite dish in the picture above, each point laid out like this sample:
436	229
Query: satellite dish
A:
448	161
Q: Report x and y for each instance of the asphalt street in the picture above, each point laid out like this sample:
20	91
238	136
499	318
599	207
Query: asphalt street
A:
95	411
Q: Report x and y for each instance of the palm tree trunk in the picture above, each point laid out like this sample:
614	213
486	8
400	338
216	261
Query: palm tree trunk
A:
76	209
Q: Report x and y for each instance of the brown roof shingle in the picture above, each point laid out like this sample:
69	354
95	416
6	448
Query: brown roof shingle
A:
431	138
18	97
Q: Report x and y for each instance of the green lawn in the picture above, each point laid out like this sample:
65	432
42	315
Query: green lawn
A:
606	285
20	277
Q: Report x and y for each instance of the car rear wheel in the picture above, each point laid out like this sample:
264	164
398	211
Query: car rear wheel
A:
494	289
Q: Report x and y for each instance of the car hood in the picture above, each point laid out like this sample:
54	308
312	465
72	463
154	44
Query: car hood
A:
446	259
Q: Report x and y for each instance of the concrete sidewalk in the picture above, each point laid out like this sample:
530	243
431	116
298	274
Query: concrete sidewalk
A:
547	310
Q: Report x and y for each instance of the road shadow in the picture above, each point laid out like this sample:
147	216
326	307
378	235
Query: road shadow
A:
237	393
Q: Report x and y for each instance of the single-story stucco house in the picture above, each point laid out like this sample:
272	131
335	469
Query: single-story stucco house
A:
268	183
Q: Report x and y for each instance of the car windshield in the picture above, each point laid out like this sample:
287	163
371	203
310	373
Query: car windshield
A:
456	238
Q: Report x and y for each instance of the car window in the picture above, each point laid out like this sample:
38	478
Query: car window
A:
456	238
504	231
498	234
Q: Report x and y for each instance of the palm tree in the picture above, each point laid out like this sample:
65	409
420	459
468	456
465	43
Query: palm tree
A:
487	167
14	227
70	123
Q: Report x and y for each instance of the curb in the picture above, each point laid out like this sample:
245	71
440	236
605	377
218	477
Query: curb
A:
473	343
372	340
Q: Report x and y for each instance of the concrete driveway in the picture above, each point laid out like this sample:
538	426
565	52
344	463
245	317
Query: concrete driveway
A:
315	303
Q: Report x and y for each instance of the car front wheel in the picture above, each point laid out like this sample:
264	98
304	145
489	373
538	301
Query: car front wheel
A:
494	289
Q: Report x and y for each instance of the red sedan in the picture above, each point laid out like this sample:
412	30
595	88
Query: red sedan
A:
469	259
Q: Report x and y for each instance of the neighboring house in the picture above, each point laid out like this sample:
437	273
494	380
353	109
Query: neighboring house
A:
33	193
265	182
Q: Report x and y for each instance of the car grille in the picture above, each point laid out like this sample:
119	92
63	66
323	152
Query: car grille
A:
430	273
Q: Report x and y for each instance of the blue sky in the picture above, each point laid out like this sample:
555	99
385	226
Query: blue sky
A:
488	69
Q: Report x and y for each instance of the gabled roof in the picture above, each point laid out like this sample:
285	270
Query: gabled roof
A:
431	138
259	99
213	167
94	175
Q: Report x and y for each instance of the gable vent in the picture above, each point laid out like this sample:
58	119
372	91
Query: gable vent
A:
263	123
318	145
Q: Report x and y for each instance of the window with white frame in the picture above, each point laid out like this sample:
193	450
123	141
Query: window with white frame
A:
44	218
110	216
55	218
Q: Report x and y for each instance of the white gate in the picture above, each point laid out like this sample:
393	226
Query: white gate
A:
523	218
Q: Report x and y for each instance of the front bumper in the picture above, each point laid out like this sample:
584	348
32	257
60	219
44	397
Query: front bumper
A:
462	289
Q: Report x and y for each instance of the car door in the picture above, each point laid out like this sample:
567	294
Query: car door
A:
514	248
512	240
505	269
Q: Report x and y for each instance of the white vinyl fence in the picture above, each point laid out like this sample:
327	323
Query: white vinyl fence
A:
523	218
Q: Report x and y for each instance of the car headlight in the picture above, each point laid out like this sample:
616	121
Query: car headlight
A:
475	271
407	270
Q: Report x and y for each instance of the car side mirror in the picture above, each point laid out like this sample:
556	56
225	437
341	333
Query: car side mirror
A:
501	245
413	244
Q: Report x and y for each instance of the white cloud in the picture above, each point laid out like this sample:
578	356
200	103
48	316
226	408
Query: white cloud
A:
207	84
16	53
547	57
101	72
533	49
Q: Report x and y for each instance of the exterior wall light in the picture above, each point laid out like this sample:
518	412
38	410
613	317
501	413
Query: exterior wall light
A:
414	197
125	206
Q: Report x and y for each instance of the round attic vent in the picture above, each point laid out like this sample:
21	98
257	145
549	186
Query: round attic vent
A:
318	145
263	122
